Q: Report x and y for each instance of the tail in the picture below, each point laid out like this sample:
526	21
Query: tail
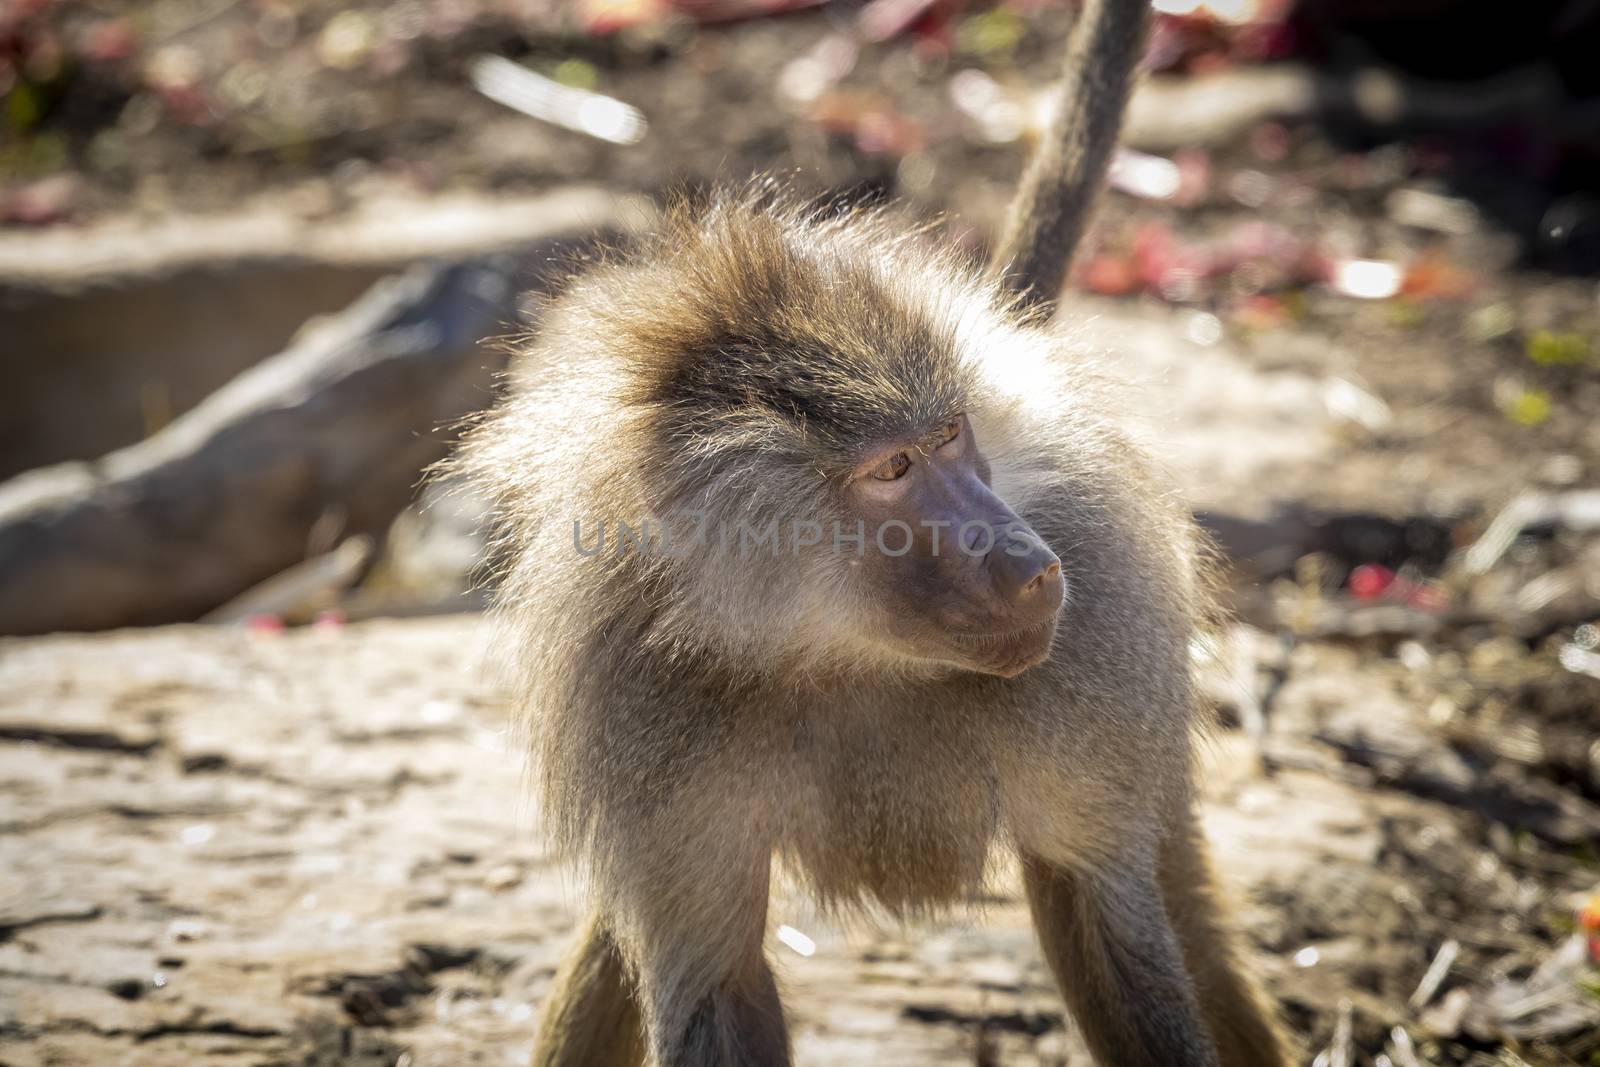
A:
1051	208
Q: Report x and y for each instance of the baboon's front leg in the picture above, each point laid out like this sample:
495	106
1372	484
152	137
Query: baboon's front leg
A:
687	903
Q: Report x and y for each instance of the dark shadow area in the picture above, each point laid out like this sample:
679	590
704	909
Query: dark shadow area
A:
1509	95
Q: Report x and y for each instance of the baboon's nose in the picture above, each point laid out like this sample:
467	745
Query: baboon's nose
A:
1050	573
1029	580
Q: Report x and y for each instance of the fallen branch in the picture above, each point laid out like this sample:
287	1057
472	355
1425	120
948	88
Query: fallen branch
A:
332	431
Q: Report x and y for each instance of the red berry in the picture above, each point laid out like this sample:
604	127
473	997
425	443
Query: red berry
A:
1368	581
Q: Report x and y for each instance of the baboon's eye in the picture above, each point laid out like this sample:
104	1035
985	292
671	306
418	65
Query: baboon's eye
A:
950	432
893	468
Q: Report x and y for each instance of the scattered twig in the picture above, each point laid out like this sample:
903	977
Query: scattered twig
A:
1405	1053
1435	974
1580	660
1577	510
536	96
1340	1052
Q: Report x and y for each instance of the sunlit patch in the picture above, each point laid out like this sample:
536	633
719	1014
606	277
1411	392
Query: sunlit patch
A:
1147	176
1236	12
797	941
1368	279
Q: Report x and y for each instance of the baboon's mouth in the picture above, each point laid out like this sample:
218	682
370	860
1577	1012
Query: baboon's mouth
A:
1009	652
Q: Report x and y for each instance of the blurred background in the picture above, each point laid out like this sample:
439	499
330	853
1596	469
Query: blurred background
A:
259	259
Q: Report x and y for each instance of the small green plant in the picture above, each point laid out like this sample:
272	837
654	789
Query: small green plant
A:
1550	349
1529	407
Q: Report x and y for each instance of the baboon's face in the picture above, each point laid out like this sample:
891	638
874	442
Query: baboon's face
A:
962	578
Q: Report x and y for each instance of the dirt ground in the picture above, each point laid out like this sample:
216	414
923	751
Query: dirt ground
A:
224	846
227	848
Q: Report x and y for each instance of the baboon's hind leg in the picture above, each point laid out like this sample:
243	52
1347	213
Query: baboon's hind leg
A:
1238	1015
591	1018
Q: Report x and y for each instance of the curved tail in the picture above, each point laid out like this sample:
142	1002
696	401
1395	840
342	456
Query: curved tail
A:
1052	205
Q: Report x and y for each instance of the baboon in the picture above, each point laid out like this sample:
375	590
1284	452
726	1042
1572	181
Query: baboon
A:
818	550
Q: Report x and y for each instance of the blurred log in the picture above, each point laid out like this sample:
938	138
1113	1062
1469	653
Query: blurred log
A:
158	313
324	440
1168	112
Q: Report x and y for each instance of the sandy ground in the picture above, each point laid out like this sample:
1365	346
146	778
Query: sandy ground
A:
235	849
